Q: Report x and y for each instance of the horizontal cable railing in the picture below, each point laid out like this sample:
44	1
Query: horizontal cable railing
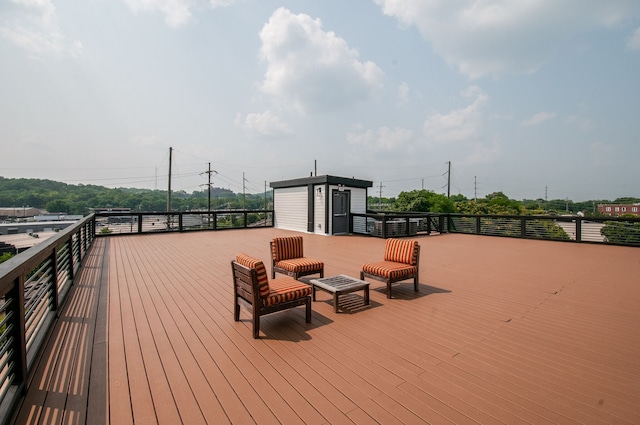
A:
609	230
32	285
155	222
388	225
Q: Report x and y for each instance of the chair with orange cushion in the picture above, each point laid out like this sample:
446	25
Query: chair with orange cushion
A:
401	262
287	257
253	290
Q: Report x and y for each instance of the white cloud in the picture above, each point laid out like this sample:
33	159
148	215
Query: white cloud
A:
221	3
538	118
584	124
33	25
264	124
403	93
176	12
460	124
313	69
384	139
482	154
634	40
601	153
492	37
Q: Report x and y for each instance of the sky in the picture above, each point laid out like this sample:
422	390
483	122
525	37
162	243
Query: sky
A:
538	99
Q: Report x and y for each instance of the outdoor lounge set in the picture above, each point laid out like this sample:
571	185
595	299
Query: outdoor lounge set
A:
253	290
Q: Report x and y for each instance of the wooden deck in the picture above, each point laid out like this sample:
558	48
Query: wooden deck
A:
502	331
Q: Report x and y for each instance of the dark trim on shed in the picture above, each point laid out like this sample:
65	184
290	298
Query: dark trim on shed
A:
326	180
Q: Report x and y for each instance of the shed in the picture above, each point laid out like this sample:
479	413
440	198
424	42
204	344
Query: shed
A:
319	204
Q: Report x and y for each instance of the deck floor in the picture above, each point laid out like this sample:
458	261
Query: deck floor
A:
503	331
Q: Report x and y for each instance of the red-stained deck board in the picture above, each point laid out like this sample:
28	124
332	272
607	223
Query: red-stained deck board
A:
502	331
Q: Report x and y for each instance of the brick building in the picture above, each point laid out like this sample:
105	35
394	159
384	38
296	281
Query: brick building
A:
619	209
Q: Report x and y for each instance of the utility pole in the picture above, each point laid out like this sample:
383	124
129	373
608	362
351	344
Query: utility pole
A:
545	194
449	180
244	196
475	188
169	188
380	198
209	172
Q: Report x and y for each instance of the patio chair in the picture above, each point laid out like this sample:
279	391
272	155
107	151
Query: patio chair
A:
253	290
288	258
401	262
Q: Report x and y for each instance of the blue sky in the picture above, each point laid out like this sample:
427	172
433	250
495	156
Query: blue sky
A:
533	98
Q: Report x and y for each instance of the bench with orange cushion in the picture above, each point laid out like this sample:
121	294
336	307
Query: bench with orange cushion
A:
287	257
400	262
253	290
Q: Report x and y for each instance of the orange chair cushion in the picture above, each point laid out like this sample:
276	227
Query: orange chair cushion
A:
390	270
284	248
401	251
285	289
300	265
261	271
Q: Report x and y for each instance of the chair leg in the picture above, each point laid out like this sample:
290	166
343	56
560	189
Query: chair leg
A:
308	307
256	326
236	311
416	286
388	288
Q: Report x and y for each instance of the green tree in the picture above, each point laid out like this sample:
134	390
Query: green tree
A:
495	203
57	205
621	232
423	201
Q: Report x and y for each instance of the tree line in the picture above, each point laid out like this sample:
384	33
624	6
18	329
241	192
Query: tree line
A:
80	199
494	203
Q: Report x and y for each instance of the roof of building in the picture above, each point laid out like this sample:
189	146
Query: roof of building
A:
326	179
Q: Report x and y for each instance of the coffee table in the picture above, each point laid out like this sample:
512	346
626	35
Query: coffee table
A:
339	285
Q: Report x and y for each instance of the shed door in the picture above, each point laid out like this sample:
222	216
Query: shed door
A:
340	208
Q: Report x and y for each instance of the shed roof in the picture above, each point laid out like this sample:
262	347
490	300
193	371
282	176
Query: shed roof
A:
326	179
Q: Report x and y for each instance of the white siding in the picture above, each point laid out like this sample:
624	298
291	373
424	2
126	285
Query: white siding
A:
291	208
359	205
359	201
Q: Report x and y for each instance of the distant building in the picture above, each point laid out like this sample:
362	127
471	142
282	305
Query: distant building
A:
619	209
57	217
111	210
18	212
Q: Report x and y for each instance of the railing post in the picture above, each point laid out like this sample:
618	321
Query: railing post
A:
478	226
54	277
83	240
180	222
523	227
245	215
16	309
578	229
71	259
384	227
